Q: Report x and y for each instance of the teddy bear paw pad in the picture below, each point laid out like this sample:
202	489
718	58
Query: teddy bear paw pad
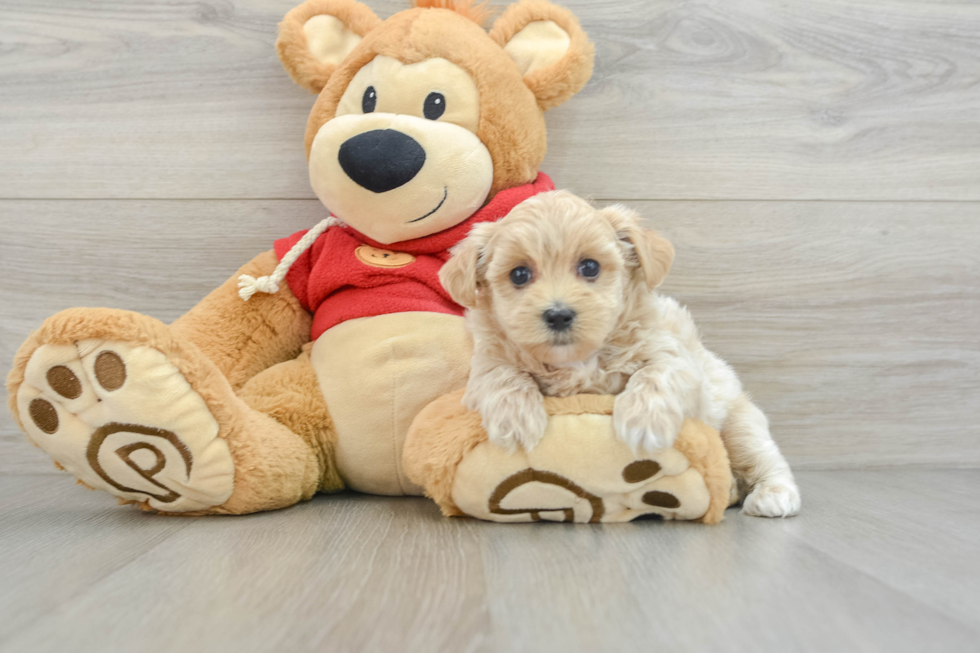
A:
122	418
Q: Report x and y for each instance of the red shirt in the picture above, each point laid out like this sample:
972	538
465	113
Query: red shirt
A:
346	275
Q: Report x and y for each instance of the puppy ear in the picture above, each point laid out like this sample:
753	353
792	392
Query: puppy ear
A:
316	36
649	251
462	274
553	53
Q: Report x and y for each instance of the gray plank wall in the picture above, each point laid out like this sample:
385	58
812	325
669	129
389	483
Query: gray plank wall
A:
817	164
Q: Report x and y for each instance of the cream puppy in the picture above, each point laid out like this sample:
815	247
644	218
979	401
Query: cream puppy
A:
561	301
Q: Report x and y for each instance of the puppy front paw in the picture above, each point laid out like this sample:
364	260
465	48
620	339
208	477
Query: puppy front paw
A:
644	421
773	498
516	421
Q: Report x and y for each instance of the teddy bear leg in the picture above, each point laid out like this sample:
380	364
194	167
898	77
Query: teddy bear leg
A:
290	393
128	406
243	338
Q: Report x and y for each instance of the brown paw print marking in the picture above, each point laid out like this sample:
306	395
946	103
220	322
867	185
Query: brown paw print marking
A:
63	381
110	370
44	415
640	470
661	499
513	482
125	454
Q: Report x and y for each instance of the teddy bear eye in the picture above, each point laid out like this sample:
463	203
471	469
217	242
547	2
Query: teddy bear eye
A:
435	106
588	268
370	100
520	275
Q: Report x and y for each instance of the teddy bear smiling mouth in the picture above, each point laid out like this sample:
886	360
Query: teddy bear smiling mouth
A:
445	194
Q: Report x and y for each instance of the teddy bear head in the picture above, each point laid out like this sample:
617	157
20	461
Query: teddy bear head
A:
422	118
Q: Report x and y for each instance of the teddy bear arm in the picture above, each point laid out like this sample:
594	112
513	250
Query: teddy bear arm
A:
244	338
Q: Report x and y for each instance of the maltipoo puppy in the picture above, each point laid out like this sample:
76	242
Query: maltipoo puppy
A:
561	301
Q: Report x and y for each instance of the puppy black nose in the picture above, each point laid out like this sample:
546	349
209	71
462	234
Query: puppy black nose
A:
559	319
382	159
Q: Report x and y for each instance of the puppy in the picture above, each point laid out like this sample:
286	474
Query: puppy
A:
561	301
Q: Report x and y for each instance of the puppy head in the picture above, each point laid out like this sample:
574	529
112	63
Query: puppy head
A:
556	275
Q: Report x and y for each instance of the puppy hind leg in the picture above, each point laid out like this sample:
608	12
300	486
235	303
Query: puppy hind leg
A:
759	467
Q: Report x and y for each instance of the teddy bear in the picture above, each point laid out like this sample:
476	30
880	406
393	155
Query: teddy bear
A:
304	372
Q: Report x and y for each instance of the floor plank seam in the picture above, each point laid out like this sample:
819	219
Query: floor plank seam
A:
27	624
885	585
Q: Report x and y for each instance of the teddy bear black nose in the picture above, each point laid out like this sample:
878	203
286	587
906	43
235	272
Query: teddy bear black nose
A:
559	319
382	159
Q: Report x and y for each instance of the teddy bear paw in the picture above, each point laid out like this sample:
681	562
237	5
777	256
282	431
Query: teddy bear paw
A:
122	418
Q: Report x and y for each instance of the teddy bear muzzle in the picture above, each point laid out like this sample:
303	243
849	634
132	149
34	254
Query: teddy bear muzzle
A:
395	177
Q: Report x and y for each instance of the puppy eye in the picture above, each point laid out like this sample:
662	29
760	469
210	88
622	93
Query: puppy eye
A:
588	268
370	100
520	275
435	106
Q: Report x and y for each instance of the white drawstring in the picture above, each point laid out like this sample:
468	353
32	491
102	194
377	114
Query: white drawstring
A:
249	285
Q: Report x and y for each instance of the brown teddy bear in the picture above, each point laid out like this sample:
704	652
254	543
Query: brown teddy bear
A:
303	373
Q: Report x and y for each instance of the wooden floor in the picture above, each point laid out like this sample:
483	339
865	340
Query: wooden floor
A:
878	561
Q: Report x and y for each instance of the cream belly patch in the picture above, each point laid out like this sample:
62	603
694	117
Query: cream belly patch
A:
123	419
401	360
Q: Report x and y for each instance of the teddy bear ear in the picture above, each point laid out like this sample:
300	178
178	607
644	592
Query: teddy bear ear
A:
550	48
316	36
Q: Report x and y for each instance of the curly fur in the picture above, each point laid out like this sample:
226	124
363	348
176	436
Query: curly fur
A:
625	340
